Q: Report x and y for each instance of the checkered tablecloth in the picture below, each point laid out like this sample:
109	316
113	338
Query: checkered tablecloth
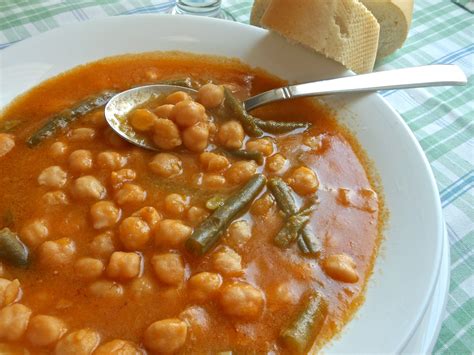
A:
441	118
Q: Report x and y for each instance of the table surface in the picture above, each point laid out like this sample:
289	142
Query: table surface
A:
441	118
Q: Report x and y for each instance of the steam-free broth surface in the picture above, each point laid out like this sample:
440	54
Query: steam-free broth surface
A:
107	225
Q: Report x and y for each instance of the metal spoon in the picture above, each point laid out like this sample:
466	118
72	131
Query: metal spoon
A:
121	104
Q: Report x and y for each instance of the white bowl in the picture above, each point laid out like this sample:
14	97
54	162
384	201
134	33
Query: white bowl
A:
407	267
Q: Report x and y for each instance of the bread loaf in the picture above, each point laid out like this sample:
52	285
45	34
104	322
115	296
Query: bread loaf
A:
394	18
343	30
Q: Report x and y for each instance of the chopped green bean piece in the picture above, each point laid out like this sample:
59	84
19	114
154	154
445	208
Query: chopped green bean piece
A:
66	117
308	242
290	230
9	125
237	108
209	231
299	336
280	126
283	196
12	249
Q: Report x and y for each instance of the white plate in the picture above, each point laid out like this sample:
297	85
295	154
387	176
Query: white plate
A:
406	271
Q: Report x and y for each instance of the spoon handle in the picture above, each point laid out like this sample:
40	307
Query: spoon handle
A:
428	75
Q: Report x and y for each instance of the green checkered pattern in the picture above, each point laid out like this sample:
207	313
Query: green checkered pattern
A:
441	118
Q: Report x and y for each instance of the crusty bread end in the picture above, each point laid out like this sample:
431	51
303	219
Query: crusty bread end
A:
258	9
343	30
394	18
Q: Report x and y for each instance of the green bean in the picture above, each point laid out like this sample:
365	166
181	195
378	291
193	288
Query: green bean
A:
283	196
209	231
299	336
243	154
236	107
280	126
66	117
9	125
290	230
308	242
12	249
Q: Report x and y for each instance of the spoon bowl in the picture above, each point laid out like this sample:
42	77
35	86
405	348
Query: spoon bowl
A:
123	103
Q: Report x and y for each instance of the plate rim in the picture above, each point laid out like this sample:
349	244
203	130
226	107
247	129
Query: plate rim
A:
220	22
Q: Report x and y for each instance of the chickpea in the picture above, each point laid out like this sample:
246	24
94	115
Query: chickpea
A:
55	198
118	347
106	289
204	285
105	214
142	120
166	134
262	206
197	319
212	162
134	233
57	253
166	165
10	291
89	188
276	163
164	111
102	245
34	232
196	137
7	143
175	204
169	268
150	215
241	171
141	287
239	233
80	342
171	233
227	262
57	149
14	320
80	160
241	300
96	119
231	135
176	97
303	180
118	178
124	265
53	176
188	113
196	215
88	268
166	336
45	330
262	145
82	134
111	160
213	181
340	267
130	194
211	95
